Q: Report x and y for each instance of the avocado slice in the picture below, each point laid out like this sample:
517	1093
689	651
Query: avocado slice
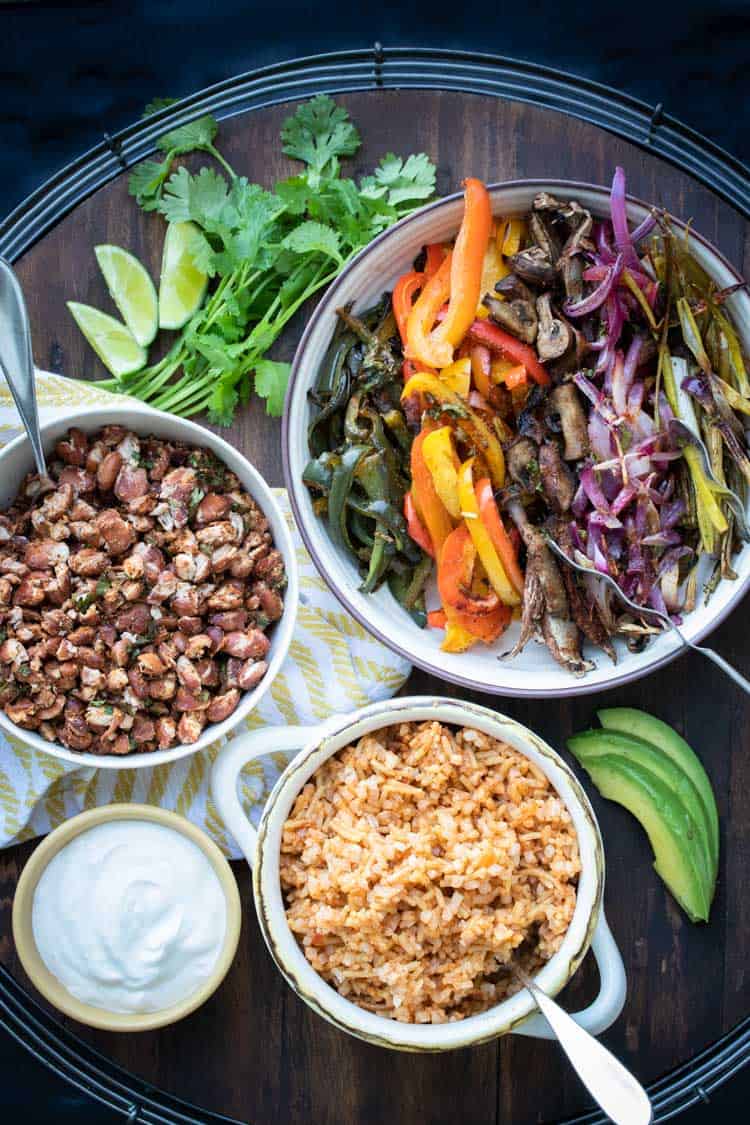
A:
591	744
668	826
629	720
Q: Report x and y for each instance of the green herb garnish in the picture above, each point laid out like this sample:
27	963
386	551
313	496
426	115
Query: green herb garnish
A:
269	251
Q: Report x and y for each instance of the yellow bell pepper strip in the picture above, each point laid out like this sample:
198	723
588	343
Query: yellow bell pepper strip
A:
457	376
420	345
481	369
435	346
484	617
493	270
491	561
429	506
441	459
415	527
498	340
512	236
426	387
457	639
501	541
402	299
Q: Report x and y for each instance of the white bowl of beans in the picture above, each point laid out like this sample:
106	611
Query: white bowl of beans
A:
148	589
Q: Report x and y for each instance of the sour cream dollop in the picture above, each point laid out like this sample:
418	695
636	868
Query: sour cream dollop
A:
130	916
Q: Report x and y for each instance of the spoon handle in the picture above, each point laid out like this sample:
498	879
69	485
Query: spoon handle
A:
16	361
617	1091
725	666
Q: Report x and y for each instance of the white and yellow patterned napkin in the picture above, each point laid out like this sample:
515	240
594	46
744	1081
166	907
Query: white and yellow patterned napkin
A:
333	666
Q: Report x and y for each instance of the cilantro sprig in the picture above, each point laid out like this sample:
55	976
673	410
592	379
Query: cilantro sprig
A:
267	251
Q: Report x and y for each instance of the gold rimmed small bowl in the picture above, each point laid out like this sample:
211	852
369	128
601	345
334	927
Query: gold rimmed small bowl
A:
53	989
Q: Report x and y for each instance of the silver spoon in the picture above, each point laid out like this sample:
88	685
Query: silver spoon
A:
641	610
613	1087
16	361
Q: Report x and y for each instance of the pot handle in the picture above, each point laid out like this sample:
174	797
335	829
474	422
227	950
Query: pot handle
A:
603	1011
229	764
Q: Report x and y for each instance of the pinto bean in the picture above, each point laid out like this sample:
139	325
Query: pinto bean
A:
228	596
88	562
251	674
131	483
234	619
254	644
43	554
166	732
190	727
117	534
212	507
222	706
73	449
135	618
80	480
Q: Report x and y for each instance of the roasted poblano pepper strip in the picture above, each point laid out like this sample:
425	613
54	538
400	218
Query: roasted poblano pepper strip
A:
341	485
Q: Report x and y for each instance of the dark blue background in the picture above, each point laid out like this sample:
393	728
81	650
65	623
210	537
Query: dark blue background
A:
71	71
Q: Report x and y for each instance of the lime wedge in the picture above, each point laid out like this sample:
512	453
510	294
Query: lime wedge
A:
131	289
182	285
112	341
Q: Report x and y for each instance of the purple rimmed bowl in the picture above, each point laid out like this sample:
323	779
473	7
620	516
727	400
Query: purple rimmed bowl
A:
533	672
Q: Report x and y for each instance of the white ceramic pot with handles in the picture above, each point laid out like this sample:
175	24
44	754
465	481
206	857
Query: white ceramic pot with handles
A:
517	1014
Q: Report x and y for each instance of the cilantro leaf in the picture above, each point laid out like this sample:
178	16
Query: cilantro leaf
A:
146	181
198	134
271	380
311	238
318	133
157	104
401	181
222	403
199	198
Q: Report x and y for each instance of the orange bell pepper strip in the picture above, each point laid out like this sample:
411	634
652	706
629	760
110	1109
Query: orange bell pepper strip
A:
485	548
459	279
420	343
501	540
436	619
429	506
434	254
402	299
481	369
416	528
484	617
498	340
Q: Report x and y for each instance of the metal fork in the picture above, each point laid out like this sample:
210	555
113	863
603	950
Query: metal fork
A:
16	362
648	611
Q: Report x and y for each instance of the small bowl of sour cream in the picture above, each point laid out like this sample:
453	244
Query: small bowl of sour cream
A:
126	917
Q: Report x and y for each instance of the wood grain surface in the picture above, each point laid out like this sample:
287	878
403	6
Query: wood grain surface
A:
255	1051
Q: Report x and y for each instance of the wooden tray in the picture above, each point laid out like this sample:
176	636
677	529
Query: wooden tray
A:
255	1051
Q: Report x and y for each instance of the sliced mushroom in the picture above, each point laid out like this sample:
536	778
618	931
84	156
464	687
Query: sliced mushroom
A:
566	401
522	462
518	317
571	269
557	480
544	237
514	288
554	336
578	239
535	267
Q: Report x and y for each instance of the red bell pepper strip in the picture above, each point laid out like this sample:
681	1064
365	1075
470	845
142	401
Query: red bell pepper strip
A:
416	528
497	340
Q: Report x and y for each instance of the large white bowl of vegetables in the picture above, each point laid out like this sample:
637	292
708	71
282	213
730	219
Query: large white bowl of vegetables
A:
607	320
